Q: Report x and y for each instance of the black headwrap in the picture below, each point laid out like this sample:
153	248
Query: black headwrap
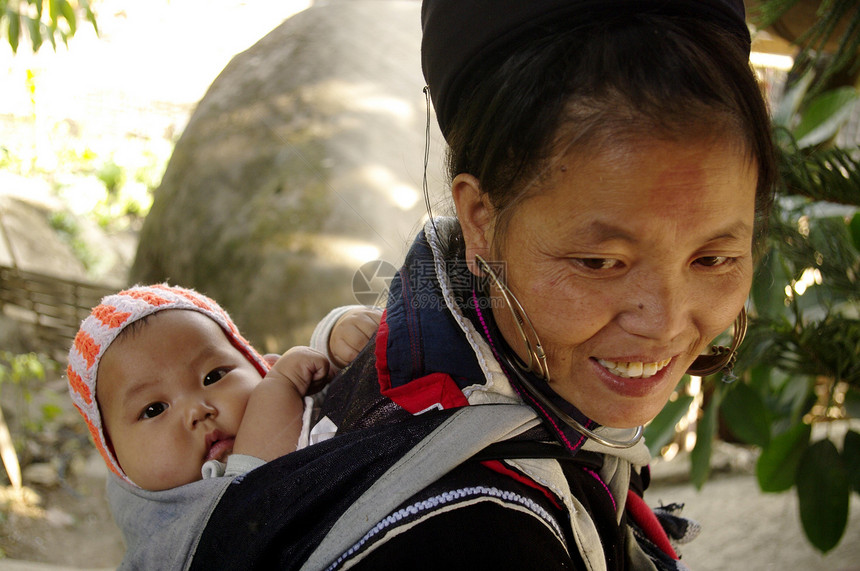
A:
461	35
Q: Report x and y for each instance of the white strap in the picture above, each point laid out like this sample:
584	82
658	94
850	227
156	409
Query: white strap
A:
466	432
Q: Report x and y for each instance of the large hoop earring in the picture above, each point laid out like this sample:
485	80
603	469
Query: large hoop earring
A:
537	356
722	358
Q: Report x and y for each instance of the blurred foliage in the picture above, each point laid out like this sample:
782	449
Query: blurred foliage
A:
43	20
20	369
799	366
802	354
836	22
26	372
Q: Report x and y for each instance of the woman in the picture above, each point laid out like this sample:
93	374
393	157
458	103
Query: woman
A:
611	166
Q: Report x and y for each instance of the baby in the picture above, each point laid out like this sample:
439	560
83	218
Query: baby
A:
172	393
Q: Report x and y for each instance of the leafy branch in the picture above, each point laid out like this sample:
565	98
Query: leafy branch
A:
831	42
43	20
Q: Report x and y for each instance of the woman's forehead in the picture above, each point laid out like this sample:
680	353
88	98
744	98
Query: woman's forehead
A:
660	179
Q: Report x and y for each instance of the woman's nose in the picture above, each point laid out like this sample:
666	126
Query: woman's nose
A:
657	308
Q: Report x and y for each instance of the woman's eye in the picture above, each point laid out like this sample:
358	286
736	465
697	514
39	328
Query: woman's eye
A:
598	263
153	410
712	261
215	375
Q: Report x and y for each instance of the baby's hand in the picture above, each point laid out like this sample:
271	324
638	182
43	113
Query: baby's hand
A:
351	333
304	367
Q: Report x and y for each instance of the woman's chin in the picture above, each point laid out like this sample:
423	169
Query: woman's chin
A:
622	412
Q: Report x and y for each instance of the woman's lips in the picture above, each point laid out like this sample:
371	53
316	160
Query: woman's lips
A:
634	369
619	376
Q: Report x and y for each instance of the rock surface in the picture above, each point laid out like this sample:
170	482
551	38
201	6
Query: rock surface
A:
30	243
303	161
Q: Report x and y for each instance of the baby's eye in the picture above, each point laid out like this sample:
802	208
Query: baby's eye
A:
153	410
712	261
598	263
215	375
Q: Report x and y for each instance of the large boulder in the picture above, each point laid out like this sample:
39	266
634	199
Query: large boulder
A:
303	161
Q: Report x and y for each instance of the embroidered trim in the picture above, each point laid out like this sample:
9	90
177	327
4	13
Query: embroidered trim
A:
605	487
441	500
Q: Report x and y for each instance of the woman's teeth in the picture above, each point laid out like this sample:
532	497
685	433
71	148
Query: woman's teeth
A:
634	369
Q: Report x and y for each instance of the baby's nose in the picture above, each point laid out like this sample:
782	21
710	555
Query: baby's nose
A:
200	410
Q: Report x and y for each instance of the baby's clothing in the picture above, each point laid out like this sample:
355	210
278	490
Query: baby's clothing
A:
236	464
161	529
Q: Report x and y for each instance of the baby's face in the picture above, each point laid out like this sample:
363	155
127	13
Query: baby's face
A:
172	395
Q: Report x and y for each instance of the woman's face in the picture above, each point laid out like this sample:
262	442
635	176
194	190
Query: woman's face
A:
628	263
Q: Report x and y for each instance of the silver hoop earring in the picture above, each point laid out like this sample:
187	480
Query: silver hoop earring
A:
722	358
537	355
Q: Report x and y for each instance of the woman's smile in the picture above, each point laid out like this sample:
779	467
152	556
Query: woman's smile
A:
634	369
632	386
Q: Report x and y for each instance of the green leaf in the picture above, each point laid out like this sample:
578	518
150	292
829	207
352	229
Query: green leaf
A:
825	116
852	402
823	492
91	17
35	33
768	288
54	12
791	100
51	411
760	375
851	457
14	29
69	15
831	174
51	38
661	430
854	227
776	467
746	416
700	456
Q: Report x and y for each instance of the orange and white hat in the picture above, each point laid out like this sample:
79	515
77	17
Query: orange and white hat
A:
104	324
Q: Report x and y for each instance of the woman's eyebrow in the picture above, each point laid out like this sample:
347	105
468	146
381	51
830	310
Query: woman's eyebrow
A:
738	229
604	232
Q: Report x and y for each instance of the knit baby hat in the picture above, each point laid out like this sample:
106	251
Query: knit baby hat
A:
104	324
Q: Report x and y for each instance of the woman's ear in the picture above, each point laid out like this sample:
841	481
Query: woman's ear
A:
476	218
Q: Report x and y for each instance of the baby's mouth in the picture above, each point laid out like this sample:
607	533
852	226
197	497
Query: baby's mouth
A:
634	369
219	447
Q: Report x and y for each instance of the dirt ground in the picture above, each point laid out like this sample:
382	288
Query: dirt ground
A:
68	525
743	528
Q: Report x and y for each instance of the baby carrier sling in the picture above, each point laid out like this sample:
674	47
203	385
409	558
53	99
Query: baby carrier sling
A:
305	509
467	432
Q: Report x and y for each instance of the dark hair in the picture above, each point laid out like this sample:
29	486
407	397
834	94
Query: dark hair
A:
586	85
